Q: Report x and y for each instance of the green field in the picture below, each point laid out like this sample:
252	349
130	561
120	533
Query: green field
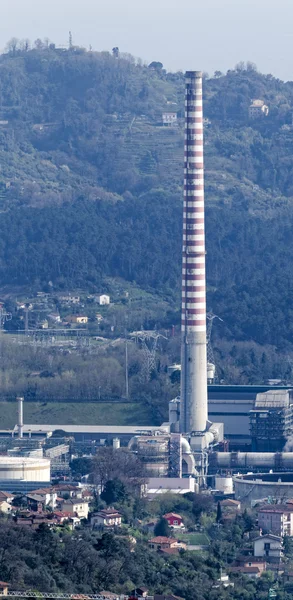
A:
76	413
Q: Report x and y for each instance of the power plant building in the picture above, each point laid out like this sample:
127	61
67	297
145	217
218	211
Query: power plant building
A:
271	420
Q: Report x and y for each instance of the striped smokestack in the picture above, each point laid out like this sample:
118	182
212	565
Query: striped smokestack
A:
193	406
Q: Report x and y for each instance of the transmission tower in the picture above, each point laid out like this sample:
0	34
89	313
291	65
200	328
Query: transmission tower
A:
149	343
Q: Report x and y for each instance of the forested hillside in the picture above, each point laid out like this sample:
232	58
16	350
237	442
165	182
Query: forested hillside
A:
91	182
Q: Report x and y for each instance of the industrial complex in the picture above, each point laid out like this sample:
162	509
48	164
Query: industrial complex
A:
231	439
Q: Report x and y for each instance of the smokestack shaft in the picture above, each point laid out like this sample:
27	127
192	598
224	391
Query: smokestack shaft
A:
20	416
193	411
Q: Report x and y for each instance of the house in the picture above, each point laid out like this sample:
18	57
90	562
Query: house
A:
108	517
54	317
76	507
277	519
78	319
139	592
104	299
250	561
5	507
169	118
109	595
175	521
258	109
44	324
231	505
6	496
99	317
268	546
160	542
3	588
65	490
70	299
46	496
67	518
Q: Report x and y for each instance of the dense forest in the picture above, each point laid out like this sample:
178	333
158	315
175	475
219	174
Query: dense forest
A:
90	183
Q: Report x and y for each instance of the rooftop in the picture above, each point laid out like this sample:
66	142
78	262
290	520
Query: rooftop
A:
162	539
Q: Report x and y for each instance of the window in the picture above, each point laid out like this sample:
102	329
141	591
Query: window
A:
267	546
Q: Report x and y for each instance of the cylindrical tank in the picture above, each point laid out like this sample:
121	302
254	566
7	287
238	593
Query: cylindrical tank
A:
116	443
224	484
211	370
253	459
20	468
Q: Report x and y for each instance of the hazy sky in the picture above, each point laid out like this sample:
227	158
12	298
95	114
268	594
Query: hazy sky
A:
183	34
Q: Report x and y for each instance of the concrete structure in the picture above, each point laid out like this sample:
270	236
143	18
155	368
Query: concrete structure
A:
108	517
20	400
164	454
258	109
277	519
269	547
25	469
193	409
271	420
92	432
224	484
161	485
259	486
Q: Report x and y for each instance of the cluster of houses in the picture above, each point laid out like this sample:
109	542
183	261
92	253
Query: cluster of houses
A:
56	505
45	304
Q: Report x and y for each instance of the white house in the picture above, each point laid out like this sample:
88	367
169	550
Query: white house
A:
47	496
268	546
108	517
169	118
77	507
104	299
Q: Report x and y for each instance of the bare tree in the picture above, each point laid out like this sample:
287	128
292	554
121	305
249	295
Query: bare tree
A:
13	45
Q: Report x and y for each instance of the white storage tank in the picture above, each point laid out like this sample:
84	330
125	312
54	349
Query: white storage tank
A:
18	468
224	484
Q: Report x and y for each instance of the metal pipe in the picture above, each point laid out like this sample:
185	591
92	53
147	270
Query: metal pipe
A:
194	406
248	460
20	400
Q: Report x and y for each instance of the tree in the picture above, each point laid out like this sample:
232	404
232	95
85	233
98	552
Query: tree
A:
162	527
81	466
114	491
219	513
156	65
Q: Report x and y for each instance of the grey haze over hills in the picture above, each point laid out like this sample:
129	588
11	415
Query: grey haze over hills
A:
207	34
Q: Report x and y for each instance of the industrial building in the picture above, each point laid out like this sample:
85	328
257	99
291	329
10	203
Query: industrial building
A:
271	420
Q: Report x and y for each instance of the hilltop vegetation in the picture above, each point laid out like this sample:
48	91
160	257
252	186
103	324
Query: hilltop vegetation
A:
91	186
